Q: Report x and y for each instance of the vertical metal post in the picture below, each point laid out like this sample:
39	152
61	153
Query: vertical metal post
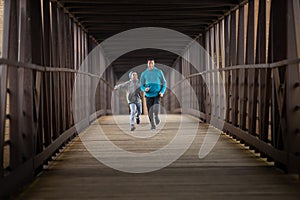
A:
252	73
242	72
227	64
223	93
72	66
202	100
46	77
208	81
277	52
61	64
212	62
69	51
25	81
218	66
293	82
15	100
234	78
38	53
55	75
263	74
4	76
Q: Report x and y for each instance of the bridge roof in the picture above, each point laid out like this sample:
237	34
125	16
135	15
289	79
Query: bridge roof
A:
105	18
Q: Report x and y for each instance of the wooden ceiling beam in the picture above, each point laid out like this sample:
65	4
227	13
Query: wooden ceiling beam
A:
157	2
107	14
136	8
108	18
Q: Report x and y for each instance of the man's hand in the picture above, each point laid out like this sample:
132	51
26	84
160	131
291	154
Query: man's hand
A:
161	94
147	89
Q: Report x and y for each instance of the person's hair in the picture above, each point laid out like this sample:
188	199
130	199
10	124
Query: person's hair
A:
150	59
130	73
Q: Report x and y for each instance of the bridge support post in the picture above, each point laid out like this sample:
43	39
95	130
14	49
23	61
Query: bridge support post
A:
293	82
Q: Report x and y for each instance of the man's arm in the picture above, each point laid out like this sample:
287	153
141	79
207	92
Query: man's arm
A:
142	83
164	83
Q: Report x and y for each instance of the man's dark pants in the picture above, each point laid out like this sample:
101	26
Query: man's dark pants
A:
153	108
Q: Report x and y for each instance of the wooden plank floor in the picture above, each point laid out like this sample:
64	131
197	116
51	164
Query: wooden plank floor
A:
230	171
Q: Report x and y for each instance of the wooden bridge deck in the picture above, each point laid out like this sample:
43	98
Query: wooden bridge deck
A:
230	171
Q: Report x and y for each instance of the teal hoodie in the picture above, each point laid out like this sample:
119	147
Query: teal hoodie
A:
155	80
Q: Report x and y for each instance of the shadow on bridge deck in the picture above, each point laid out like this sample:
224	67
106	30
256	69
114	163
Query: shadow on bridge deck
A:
230	171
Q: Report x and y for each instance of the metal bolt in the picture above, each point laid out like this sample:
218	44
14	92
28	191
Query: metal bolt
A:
24	158
296	108
8	142
8	116
281	86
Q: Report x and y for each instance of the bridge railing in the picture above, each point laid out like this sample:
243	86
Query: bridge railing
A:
42	50
39	123
262	130
255	49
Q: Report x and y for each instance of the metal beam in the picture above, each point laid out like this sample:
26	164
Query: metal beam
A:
242	72
16	97
6	34
293	82
252	73
157	2
234	78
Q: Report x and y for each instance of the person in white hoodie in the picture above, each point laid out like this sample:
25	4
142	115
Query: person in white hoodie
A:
133	90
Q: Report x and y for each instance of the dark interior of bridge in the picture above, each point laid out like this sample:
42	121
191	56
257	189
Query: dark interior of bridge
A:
103	19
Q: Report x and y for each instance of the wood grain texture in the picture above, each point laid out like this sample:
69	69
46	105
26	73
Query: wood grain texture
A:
230	171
